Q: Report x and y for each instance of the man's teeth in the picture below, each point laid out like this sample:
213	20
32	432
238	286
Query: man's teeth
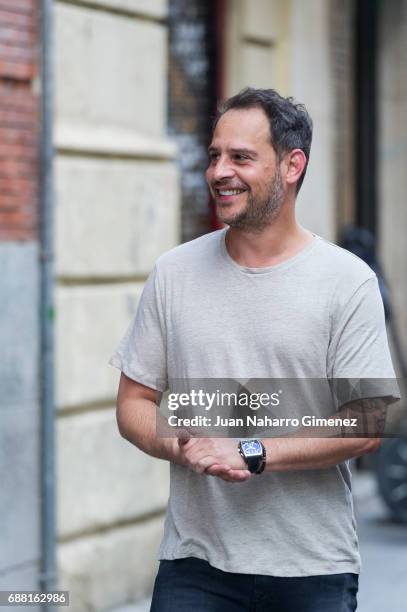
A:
226	192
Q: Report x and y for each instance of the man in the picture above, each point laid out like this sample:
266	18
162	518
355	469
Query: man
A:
262	299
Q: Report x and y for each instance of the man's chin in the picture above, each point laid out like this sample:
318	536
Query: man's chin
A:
228	220
228	217
244	223
237	222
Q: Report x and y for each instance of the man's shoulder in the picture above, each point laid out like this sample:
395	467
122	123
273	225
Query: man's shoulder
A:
346	266
187	253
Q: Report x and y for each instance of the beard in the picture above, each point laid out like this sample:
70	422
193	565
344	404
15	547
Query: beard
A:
260	211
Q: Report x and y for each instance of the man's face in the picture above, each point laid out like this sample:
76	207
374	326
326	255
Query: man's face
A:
243	174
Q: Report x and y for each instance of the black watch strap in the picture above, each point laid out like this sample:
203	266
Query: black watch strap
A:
254	464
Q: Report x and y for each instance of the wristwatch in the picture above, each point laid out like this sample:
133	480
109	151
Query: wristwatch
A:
254	454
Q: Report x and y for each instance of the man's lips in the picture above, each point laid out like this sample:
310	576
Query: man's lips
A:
228	194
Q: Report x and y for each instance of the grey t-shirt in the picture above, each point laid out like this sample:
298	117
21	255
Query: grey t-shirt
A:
316	315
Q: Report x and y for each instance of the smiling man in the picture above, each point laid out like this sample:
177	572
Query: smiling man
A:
262	524
246	182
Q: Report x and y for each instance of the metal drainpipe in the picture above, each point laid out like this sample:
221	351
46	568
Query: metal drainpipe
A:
48	529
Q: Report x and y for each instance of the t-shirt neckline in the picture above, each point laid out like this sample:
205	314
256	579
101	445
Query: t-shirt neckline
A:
267	269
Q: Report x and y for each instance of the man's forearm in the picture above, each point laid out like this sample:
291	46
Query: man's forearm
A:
136	420
330	445
297	453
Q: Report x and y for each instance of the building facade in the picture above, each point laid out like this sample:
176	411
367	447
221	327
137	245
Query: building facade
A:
136	83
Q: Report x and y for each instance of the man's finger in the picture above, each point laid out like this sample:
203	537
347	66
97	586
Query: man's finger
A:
216	467
239	475
226	473
204	463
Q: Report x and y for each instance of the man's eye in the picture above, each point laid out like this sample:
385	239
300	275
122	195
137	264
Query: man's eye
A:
237	157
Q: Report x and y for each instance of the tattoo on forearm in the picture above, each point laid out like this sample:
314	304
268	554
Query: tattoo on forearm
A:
370	415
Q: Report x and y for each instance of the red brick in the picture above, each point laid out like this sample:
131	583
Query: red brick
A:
13	185
11	52
18	152
15	234
11	70
26	7
15	118
15	201
24	218
20	103
17	168
19	120
17	107
17	37
19	20
16	135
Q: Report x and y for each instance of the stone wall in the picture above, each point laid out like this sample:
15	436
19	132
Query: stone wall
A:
117	206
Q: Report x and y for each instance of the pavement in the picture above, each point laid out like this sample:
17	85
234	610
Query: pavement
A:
383	546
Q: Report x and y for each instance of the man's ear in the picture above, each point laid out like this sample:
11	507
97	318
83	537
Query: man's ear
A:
295	162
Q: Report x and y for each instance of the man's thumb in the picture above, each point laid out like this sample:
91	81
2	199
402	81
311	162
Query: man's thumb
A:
183	437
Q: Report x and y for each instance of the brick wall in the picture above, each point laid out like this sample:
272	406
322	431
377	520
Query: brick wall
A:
19	120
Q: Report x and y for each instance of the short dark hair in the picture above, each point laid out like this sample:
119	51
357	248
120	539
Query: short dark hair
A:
290	123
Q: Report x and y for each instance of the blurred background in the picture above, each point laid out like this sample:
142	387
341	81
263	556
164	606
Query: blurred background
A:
105	114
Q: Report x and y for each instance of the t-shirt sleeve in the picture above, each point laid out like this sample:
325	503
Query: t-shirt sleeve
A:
141	353
359	362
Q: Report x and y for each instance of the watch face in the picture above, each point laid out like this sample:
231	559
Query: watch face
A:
251	448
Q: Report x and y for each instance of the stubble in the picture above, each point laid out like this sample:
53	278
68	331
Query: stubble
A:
260	212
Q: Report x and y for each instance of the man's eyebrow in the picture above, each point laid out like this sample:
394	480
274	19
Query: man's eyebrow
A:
242	150
245	151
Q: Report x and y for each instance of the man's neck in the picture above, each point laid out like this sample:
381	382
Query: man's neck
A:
275	244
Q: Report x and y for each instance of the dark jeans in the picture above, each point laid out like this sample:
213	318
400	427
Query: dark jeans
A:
192	585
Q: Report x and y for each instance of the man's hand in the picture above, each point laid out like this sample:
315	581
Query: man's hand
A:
214	456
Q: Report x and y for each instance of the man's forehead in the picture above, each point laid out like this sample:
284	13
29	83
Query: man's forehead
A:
242	127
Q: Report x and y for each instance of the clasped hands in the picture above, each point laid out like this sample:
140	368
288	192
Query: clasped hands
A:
213	456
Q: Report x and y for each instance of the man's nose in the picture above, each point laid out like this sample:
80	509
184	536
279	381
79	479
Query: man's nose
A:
223	169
